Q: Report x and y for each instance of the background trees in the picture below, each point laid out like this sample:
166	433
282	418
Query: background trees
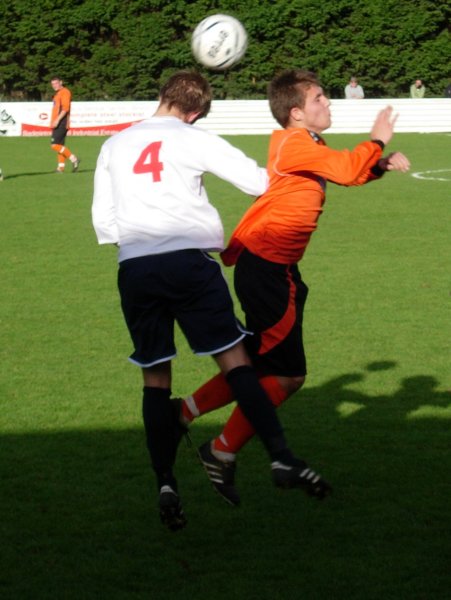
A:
115	50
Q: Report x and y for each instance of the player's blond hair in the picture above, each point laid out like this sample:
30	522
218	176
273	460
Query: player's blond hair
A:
188	91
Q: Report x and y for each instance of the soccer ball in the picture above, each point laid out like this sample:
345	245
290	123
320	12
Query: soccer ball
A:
219	42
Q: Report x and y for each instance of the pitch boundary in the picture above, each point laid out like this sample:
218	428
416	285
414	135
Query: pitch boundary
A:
429	175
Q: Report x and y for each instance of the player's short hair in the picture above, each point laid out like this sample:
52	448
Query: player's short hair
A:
288	90
188	91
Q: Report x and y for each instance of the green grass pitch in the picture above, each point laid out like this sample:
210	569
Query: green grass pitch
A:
77	499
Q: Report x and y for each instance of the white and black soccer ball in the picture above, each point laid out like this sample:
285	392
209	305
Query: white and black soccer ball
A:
219	42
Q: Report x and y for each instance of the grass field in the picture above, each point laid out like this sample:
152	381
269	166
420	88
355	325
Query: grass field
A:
77	500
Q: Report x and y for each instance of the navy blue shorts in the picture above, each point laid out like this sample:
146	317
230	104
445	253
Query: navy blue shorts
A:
272	296
186	287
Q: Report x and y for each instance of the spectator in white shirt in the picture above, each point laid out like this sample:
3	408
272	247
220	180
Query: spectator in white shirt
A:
354	91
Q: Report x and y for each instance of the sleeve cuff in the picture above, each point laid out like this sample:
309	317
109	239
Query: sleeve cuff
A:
379	143
377	170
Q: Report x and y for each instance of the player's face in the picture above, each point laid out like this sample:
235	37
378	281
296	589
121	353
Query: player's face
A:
56	84
316	111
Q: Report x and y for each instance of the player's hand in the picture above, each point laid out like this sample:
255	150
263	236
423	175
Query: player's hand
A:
396	161
383	125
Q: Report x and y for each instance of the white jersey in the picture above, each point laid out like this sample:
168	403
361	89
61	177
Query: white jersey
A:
149	197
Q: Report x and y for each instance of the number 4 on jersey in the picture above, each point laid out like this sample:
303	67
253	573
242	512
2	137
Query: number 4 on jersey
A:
149	162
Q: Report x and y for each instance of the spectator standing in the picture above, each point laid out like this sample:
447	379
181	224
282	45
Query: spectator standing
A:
417	89
354	91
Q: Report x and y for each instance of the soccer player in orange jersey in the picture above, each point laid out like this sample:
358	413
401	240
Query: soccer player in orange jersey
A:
60	122
267	245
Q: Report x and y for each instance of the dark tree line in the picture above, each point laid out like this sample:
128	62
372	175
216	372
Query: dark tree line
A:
116	50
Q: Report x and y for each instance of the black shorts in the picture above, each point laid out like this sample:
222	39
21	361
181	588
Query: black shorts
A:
272	297
186	287
59	133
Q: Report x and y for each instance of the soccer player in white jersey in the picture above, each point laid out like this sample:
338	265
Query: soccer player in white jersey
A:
150	201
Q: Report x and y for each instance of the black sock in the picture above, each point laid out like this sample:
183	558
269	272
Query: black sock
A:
259	411
158	416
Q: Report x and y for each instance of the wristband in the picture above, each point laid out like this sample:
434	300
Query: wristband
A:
379	143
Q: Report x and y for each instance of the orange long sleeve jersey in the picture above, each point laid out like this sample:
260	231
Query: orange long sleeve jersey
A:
278	226
61	101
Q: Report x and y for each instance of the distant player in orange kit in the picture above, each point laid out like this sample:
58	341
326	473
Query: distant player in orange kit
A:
60	123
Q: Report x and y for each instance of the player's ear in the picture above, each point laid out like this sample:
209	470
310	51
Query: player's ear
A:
296	114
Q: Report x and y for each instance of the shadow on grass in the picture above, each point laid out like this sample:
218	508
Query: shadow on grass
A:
39	173
79	515
33	174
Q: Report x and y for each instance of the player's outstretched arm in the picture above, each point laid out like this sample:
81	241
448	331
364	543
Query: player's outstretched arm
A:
383	125
396	161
